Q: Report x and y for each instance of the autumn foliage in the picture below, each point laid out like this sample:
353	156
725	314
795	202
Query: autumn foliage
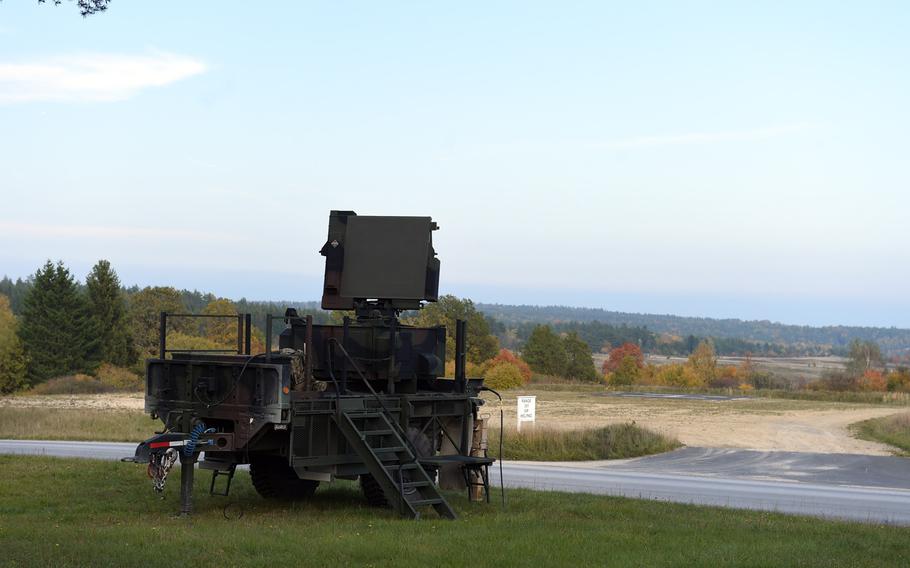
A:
506	356
617	355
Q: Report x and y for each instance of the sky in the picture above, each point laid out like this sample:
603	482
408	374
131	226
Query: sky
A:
718	159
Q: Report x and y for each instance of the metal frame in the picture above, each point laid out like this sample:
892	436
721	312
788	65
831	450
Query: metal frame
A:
244	338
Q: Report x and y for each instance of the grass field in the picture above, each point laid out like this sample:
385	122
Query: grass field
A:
56	512
614	441
37	423
893	430
610	442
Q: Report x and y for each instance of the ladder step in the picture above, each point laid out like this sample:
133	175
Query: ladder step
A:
422	502
389	450
408	484
403	466
358	415
377	432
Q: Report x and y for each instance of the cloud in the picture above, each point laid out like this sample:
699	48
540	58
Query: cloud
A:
691	138
92	77
14	230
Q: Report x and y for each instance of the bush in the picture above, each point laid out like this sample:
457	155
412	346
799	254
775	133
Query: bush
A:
836	381
899	380
626	373
503	376
768	381
872	380
471	370
676	375
118	378
506	356
614	441
72	384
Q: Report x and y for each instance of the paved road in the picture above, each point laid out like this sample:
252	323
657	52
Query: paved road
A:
864	488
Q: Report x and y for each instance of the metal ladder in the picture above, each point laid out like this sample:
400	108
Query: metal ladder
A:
392	463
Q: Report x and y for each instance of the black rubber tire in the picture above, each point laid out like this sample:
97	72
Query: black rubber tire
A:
273	478
371	489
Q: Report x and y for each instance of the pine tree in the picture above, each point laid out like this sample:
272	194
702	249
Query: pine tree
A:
57	331
12	357
108	311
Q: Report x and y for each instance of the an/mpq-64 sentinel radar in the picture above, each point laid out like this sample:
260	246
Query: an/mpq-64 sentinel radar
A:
363	399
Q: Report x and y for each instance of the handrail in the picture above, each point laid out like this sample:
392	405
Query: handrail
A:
373	392
244	329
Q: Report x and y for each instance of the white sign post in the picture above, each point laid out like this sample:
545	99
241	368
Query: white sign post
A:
527	409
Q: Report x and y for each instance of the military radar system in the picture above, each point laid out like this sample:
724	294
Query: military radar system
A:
365	399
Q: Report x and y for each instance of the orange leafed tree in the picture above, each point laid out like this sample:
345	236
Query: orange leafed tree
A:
617	355
872	380
506	356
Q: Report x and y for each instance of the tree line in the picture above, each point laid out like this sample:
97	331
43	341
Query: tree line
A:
795	339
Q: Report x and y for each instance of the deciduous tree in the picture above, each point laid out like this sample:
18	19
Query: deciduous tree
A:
145	308
480	344
13	363
618	354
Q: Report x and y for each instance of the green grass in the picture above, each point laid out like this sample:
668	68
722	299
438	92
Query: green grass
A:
56	512
35	423
893	430
614	441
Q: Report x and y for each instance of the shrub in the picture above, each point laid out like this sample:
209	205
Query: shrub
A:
768	381
676	375
471	370
614	441
872	380
727	377
506	356
837	381
899	380
72	384
626	373
118	378
503	376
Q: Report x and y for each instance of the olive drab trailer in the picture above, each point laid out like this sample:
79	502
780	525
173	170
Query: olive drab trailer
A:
365	399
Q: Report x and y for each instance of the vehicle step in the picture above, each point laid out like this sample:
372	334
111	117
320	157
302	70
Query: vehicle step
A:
403	466
389	450
385	432
359	415
423	502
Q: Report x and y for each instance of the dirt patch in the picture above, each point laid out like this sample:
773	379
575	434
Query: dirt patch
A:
755	424
118	401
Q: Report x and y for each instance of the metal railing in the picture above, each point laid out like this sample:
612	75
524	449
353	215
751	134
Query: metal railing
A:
244	328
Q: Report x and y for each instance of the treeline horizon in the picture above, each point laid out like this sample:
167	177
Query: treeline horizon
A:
601	329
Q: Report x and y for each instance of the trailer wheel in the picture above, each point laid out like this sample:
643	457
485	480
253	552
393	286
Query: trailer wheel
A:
273	478
371	489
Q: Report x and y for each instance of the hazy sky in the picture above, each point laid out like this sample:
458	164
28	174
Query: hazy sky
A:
723	159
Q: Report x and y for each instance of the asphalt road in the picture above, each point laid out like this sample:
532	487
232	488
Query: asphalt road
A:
864	488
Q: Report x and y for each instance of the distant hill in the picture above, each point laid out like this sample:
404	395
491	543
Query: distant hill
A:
892	340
